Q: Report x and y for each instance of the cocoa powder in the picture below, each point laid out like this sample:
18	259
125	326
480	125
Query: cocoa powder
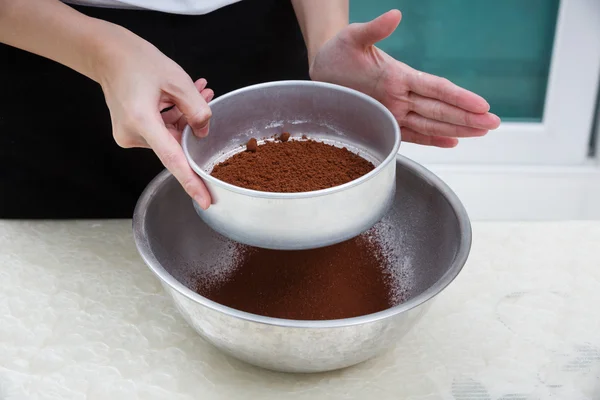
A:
284	137
252	145
289	166
341	281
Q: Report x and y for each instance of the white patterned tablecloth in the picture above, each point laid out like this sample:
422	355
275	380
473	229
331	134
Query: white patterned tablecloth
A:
81	317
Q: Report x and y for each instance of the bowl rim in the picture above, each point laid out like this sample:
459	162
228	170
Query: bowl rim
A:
142	243
206	177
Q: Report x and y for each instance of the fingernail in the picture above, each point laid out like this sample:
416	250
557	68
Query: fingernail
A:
498	120
201	202
203	131
201	82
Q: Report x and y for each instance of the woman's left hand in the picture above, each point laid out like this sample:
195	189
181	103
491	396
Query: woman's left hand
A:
430	110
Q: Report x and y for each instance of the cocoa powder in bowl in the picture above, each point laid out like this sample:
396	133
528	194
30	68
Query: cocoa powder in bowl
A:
345	280
290	166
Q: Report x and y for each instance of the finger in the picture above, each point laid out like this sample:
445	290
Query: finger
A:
171	116
371	32
191	103
171	155
409	135
442	89
440	111
432	127
208	95
175	131
179	125
175	118
200	84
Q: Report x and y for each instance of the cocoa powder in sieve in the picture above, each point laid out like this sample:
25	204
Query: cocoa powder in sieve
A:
288	166
340	281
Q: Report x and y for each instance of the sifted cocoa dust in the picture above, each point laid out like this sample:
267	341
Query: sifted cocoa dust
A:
289	166
340	281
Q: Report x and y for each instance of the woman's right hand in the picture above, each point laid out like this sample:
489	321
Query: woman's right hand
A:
138	83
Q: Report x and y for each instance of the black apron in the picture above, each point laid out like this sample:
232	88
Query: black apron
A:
58	158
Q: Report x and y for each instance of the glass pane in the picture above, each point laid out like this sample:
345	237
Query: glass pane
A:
499	49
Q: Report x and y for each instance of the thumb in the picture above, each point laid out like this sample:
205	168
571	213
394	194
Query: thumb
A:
169	151
369	33
194	107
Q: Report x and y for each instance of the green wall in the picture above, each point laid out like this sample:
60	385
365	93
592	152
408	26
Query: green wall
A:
500	49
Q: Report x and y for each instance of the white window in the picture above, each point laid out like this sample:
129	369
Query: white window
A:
538	64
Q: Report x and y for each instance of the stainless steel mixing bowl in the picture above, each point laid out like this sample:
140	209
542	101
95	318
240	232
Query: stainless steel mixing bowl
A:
287	221
427	227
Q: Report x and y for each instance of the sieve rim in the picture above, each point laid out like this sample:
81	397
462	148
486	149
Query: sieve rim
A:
207	177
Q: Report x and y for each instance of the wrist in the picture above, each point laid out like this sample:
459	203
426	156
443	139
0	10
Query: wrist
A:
320	21
315	43
319	37
102	49
109	47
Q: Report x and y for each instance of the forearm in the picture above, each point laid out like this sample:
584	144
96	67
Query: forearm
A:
320	21
54	30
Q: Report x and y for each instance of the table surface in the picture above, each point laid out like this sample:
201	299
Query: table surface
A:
81	317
